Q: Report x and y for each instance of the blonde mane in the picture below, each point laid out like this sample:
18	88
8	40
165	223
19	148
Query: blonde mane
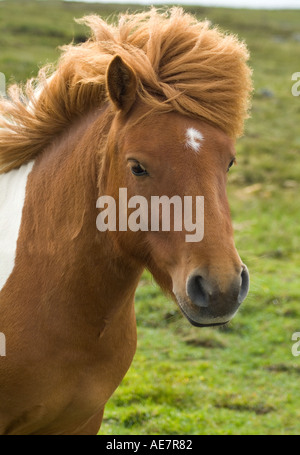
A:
181	64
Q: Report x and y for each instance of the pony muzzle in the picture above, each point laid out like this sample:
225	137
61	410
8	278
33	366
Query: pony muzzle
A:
205	304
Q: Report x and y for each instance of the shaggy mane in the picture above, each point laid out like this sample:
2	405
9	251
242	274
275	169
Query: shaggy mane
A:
181	64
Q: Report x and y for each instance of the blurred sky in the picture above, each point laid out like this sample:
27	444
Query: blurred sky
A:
259	4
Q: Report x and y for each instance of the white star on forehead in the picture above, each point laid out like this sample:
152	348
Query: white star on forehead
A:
194	139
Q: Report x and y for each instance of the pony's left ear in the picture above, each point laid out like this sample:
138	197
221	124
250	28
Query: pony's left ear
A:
121	84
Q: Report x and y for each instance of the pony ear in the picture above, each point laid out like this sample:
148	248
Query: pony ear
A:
121	83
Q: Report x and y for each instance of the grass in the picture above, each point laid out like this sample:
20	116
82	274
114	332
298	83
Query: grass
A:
240	379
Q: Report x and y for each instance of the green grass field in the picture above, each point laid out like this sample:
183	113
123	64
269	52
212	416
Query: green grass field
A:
243	378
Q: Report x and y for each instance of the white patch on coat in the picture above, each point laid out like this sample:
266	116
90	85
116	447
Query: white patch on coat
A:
194	139
12	198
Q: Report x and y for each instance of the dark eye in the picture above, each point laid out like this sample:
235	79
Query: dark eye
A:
231	164
138	170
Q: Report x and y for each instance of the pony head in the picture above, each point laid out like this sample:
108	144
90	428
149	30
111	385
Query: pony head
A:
174	93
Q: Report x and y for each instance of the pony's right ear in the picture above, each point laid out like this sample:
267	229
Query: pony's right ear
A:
121	84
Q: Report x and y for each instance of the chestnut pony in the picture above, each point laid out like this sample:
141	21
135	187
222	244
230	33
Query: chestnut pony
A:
154	105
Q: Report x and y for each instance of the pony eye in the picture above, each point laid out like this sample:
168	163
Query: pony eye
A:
231	164
138	170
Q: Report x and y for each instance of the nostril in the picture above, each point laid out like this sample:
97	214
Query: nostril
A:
197	292
245	281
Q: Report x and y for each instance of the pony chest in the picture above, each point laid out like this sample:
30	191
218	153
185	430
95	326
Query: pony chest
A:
12	198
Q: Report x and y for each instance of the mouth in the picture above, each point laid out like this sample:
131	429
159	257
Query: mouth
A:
204	323
197	324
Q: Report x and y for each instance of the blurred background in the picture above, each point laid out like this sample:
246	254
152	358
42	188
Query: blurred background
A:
242	378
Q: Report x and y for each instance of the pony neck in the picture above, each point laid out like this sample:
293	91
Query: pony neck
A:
97	280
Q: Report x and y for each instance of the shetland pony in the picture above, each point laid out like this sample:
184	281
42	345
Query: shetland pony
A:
154	105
